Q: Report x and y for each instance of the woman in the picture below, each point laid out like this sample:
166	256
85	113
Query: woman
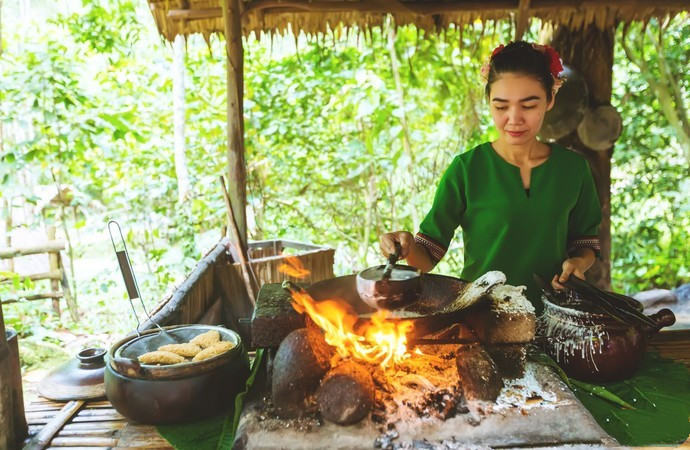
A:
524	206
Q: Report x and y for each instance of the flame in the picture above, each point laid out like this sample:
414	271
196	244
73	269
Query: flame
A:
294	268
381	342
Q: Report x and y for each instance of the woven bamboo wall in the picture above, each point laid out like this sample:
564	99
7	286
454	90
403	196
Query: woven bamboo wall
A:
217	277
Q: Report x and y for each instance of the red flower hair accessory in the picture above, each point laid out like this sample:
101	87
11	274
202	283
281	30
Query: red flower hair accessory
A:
555	65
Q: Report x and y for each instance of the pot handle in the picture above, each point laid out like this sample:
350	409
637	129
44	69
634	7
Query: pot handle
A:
128	367
663	318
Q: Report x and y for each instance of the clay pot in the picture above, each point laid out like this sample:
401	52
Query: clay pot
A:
590	345
184	392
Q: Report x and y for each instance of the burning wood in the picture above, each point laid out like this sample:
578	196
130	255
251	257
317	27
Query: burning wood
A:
346	394
479	375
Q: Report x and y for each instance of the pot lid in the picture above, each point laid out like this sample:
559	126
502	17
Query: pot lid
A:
80	378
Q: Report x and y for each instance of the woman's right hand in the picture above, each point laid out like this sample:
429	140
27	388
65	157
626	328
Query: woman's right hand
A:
387	243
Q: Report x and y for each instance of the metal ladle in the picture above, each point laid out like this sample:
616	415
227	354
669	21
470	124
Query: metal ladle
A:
163	337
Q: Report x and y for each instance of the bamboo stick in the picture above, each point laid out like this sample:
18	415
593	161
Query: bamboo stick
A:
83	441
52	275
32	297
51	246
43	438
241	250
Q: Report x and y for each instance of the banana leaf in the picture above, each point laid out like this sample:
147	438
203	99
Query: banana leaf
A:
217	432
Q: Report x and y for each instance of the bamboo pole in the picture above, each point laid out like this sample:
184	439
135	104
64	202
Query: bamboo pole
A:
53	264
237	170
251	285
32	297
52	275
48	247
67	292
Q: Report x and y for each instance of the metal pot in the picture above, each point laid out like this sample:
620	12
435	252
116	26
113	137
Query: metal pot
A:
177	393
589	344
390	286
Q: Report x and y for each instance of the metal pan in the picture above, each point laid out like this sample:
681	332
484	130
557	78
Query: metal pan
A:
436	293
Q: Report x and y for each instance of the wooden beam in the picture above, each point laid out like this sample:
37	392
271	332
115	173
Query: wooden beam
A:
237	169
522	19
421	8
47	247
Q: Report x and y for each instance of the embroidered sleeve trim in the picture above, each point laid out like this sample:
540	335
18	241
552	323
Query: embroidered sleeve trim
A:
435	250
584	241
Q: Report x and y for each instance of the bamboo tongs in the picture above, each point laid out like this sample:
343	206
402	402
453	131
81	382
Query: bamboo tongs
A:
618	306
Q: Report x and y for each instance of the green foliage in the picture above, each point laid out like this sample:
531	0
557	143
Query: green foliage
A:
650	193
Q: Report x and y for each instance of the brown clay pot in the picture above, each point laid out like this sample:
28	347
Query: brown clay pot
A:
184	392
590	345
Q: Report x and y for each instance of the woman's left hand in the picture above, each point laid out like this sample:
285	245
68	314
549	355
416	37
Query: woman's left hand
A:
571	266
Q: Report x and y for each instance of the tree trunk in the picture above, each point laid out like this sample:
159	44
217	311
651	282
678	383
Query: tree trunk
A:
590	52
235	122
183	188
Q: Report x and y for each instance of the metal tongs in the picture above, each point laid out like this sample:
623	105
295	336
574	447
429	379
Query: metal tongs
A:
132	285
618	306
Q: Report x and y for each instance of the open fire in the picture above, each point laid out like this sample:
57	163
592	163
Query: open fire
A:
335	382
380	342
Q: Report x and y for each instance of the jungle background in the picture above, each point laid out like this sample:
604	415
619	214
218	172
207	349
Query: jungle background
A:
347	134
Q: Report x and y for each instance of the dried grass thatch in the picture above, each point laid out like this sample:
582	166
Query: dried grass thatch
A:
187	17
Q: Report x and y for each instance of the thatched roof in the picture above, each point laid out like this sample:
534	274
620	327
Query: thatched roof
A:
186	17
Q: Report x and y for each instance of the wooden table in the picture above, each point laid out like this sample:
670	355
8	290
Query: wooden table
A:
92	424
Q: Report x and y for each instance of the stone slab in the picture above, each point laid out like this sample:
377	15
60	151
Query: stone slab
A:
559	419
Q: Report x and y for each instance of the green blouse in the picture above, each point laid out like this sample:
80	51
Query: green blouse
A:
510	229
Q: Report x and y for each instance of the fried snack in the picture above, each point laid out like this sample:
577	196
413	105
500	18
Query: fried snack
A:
162	358
186	350
216	349
207	339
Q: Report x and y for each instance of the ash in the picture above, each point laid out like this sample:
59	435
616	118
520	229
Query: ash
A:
425	387
526	392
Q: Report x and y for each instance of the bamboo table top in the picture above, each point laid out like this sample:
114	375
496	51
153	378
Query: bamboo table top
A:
95	425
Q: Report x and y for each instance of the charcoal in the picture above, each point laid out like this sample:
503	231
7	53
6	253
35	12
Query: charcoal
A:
300	363
510	359
346	394
479	376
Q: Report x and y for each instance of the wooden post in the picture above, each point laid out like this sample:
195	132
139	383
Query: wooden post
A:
590	52
21	429
7	438
67	292
53	264
237	176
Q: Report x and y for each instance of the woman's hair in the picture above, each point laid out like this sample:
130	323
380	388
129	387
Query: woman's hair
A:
522	58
